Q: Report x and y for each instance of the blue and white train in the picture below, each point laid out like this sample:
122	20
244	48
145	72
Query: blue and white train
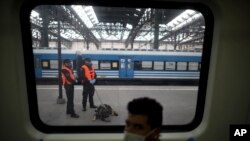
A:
117	64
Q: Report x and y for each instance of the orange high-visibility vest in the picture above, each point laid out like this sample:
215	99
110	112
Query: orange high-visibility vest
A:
71	74
89	73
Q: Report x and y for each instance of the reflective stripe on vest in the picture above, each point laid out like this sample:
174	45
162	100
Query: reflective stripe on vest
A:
64	79
89	74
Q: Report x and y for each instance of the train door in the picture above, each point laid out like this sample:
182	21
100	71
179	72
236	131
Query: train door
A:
126	67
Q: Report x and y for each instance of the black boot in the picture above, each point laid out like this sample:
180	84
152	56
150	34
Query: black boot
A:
93	106
84	109
74	116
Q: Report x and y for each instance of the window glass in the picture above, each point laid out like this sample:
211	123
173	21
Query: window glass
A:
181	65
53	64
45	64
115	65
130	64
137	65
193	66
105	65
147	65
152	53
158	65
95	63
170	65
122	62
37	63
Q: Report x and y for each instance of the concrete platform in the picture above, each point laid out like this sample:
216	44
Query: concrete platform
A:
179	103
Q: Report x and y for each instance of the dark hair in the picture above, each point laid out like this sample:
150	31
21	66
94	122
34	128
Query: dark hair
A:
148	107
87	59
66	61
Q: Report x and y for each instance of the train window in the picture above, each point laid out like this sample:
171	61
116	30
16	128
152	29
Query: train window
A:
147	65
137	65
130	64
37	63
53	64
105	65
115	65
170	65
122	62
45	64
181	65
193	66
158	65
95	63
153	53
199	66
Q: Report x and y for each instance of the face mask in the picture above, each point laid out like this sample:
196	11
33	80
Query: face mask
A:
135	137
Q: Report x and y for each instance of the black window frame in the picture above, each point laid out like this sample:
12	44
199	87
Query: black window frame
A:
26	8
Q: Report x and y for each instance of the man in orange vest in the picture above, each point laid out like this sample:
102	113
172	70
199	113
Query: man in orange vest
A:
88	80
68	80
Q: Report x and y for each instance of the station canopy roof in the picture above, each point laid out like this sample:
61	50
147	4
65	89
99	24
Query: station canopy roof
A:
120	23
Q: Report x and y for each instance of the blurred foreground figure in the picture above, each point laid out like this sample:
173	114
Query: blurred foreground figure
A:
144	120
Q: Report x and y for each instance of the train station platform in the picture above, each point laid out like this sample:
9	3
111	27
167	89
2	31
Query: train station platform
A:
179	103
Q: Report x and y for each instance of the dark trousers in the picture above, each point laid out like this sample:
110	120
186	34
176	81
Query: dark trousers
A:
88	91
70	98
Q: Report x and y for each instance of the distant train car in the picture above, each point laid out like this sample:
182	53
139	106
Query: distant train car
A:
125	64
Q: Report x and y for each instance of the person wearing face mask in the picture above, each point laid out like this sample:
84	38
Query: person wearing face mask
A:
144	120
68	80
88	81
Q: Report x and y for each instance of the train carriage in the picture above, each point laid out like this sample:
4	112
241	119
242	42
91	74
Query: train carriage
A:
126	65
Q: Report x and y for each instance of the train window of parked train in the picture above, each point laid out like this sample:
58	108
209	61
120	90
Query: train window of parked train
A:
158	65
130	64
170	65
45	64
105	65
147	65
115	65
96	64
137	65
199	66
53	64
37	63
153	53
193	66
181	66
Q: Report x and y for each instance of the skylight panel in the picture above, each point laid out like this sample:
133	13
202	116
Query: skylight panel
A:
129	26
34	14
86	14
96	34
179	19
